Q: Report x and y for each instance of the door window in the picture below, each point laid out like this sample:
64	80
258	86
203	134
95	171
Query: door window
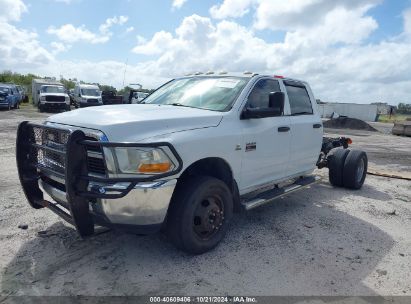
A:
300	103
259	96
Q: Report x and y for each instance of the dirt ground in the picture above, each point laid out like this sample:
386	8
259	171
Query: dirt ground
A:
321	241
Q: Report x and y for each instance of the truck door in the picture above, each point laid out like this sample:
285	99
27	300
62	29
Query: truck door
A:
266	141
306	128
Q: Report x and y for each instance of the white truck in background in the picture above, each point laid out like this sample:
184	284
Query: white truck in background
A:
87	95
183	160
48	93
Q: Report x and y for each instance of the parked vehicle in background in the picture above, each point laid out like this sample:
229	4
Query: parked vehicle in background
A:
9	96
138	97
36	85
53	97
86	95
110	97
22	91
197	149
71	95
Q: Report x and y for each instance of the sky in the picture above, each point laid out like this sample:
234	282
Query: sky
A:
348	50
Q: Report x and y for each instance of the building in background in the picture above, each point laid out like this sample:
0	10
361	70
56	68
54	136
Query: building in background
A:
366	112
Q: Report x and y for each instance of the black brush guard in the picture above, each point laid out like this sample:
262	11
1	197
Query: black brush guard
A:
30	148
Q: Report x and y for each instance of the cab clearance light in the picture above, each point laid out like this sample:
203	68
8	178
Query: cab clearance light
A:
349	140
277	76
154	168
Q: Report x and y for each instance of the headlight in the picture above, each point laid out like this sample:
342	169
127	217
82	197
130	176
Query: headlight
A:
43	98
143	160
67	98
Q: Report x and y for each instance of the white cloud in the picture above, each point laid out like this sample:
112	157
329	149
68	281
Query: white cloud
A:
353	71
59	47
21	48
178	3
129	29
231	8
69	33
11	10
105	27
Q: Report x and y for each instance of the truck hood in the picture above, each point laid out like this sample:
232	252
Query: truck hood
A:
135	122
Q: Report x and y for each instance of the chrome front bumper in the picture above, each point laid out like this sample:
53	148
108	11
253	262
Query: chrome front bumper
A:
146	204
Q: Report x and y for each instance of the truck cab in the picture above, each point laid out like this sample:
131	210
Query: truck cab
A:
53	96
199	148
87	95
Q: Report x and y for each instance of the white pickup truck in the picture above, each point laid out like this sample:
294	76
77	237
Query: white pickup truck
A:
196	150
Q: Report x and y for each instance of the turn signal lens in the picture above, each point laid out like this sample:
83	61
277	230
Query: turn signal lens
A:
154	168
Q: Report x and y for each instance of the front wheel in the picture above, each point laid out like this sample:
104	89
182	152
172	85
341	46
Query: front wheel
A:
199	215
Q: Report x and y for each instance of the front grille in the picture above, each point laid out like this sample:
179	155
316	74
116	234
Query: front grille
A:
55	98
95	159
52	155
53	158
92	100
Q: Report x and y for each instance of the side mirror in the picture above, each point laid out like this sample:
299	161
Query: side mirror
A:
275	108
276	102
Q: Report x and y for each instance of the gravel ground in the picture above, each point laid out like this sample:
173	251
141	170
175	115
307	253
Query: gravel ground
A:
321	241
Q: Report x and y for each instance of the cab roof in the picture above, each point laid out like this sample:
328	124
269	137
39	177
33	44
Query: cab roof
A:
239	74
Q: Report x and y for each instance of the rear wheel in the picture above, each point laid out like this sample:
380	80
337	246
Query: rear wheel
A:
355	169
199	215
336	161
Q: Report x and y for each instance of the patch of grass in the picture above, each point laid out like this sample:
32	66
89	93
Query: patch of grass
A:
394	118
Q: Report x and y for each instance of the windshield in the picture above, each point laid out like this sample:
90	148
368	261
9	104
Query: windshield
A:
52	89
4	90
210	93
90	92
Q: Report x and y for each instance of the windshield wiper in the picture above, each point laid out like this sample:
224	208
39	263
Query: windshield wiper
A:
301	113
177	104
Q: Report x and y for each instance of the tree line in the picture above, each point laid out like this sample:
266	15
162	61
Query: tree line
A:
25	80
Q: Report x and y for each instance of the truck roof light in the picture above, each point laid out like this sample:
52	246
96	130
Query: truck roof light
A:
223	73
278	76
210	73
199	73
248	73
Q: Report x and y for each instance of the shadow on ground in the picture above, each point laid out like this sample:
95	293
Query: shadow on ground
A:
300	245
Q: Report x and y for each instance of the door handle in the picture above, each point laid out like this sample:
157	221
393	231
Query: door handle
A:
283	129
317	126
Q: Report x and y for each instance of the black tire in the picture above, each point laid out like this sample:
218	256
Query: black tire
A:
41	108
68	108
355	169
201	197
336	161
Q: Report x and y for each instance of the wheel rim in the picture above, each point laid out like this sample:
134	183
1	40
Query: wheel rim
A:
360	171
208	217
